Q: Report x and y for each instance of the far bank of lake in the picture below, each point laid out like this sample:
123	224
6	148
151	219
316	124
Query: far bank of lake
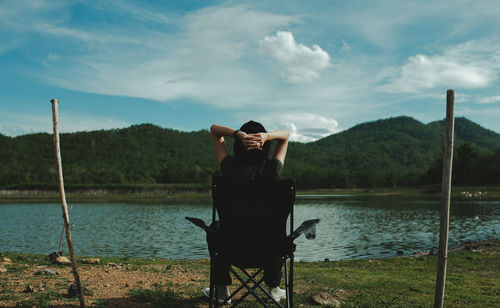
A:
198	194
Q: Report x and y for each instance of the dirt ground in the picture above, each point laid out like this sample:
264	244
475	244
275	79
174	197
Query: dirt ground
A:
109	284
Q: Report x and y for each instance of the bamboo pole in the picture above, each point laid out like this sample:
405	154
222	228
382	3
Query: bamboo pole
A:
445	200
62	233
64	206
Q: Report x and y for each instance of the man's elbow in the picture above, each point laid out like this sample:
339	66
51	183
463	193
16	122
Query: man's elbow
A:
213	127
286	134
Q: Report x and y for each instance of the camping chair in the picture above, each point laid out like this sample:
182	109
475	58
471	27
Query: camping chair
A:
251	230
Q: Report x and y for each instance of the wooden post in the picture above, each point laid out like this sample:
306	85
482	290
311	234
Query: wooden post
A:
64	206
445	200
63	231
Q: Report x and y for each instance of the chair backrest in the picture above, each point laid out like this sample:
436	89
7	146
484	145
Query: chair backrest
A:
252	216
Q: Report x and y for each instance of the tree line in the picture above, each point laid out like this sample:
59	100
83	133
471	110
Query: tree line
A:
385	153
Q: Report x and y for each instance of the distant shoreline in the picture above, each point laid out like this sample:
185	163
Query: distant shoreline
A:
202	194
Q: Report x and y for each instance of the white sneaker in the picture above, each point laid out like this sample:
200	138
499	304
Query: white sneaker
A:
223	293
277	293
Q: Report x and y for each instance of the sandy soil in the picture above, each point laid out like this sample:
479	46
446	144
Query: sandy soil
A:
110	282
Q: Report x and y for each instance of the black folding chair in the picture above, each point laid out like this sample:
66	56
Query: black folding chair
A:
251	230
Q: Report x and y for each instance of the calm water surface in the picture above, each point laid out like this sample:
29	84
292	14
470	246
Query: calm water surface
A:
351	227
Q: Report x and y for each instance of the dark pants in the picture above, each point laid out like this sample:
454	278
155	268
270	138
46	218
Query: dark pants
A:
272	273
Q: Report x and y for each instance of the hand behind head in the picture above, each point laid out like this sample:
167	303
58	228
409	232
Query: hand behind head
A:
253	141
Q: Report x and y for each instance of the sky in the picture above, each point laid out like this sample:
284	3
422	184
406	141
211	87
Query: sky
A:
312	67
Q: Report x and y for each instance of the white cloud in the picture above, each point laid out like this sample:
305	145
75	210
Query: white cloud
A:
345	47
28	20
485	115
229	32
389	24
140	13
459	97
469	65
303	127
209	59
489	99
86	36
302	64
210	56
52	56
13	124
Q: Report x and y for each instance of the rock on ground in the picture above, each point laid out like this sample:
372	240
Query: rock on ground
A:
5	260
91	261
325	299
54	255
46	271
62	260
73	291
29	289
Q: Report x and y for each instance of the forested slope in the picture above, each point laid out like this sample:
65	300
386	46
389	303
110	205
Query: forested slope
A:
384	153
391	152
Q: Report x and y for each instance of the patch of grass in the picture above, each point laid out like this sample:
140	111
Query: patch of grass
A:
163	193
8	296
42	300
158	297
134	261
3	285
5	292
26	304
100	303
30	259
17	268
472	280
493	191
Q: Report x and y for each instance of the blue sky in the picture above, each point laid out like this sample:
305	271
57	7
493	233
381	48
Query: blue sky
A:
312	67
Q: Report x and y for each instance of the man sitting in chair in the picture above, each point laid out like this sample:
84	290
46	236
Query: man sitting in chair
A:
250	162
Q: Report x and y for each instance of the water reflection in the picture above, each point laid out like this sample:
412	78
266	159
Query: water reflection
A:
351	227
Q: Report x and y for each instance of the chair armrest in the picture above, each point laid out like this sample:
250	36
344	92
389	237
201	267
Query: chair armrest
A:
200	223
308	227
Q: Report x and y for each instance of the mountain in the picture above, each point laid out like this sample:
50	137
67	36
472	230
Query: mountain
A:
390	149
467	131
390	152
138	154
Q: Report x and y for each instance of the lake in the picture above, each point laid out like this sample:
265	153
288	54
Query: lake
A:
351	227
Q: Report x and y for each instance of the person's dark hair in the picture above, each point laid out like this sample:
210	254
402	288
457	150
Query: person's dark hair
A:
253	156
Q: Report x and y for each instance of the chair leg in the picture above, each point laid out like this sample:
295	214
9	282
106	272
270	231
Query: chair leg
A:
291	280
287	285
213	288
250	289
250	279
216	296
211	291
257	284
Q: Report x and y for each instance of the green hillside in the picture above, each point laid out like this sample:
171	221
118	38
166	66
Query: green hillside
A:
381	153
385	153
469	132
392	152
138	154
